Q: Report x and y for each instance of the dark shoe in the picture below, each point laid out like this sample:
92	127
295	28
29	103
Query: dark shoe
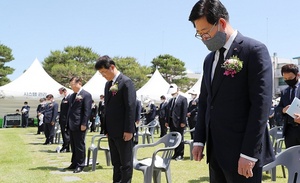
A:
78	169
71	167
63	150
179	158
46	143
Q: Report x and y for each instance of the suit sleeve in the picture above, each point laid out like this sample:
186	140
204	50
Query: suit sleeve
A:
129	97
260	96
184	110
200	127
55	112
86	109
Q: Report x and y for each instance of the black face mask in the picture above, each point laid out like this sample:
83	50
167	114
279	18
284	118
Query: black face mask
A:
292	82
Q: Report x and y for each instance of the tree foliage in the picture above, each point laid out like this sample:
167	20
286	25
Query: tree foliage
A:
131	68
72	61
5	56
171	68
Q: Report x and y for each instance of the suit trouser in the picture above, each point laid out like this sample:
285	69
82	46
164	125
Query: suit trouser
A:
179	151
77	141
24	121
163	128
49	132
217	174
121	157
292	135
192	124
65	136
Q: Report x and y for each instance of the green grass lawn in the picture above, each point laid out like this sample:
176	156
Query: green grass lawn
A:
24	159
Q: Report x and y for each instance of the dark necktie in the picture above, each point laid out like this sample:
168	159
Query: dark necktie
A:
172	106
292	93
217	72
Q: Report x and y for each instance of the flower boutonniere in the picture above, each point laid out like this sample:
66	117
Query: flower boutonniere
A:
78	98
114	88
232	66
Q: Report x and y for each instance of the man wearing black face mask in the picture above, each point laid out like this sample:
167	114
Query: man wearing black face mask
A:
291	129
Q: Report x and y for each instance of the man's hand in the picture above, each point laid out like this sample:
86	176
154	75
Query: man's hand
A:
82	127
198	153
182	125
52	123
167	125
127	136
285	109
297	118
188	114
245	167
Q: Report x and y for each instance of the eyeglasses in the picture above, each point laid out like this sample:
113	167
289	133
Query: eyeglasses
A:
205	36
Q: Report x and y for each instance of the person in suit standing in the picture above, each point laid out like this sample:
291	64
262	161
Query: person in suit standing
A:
40	108
176	117
234	103
25	114
79	113
119	121
192	111
93	116
50	113
162	116
101	113
291	129
64	108
151	112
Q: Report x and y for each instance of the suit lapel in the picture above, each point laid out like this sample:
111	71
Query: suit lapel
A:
209	69
117	81
234	50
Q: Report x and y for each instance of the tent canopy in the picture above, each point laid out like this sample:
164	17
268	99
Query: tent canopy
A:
95	86
35	83
154	88
196	86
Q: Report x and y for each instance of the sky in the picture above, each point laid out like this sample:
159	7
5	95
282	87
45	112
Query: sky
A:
142	29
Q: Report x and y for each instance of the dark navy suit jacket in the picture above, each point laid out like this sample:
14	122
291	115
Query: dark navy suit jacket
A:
285	101
79	110
235	116
120	108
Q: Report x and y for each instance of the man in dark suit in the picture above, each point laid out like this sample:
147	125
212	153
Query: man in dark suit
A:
151	112
119	121
192	111
39	109
234	103
64	108
101	113
291	129
162	115
176	117
79	113
25	114
94	112
50	113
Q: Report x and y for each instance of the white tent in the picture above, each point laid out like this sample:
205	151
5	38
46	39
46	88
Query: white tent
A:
95	86
154	88
35	83
196	86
